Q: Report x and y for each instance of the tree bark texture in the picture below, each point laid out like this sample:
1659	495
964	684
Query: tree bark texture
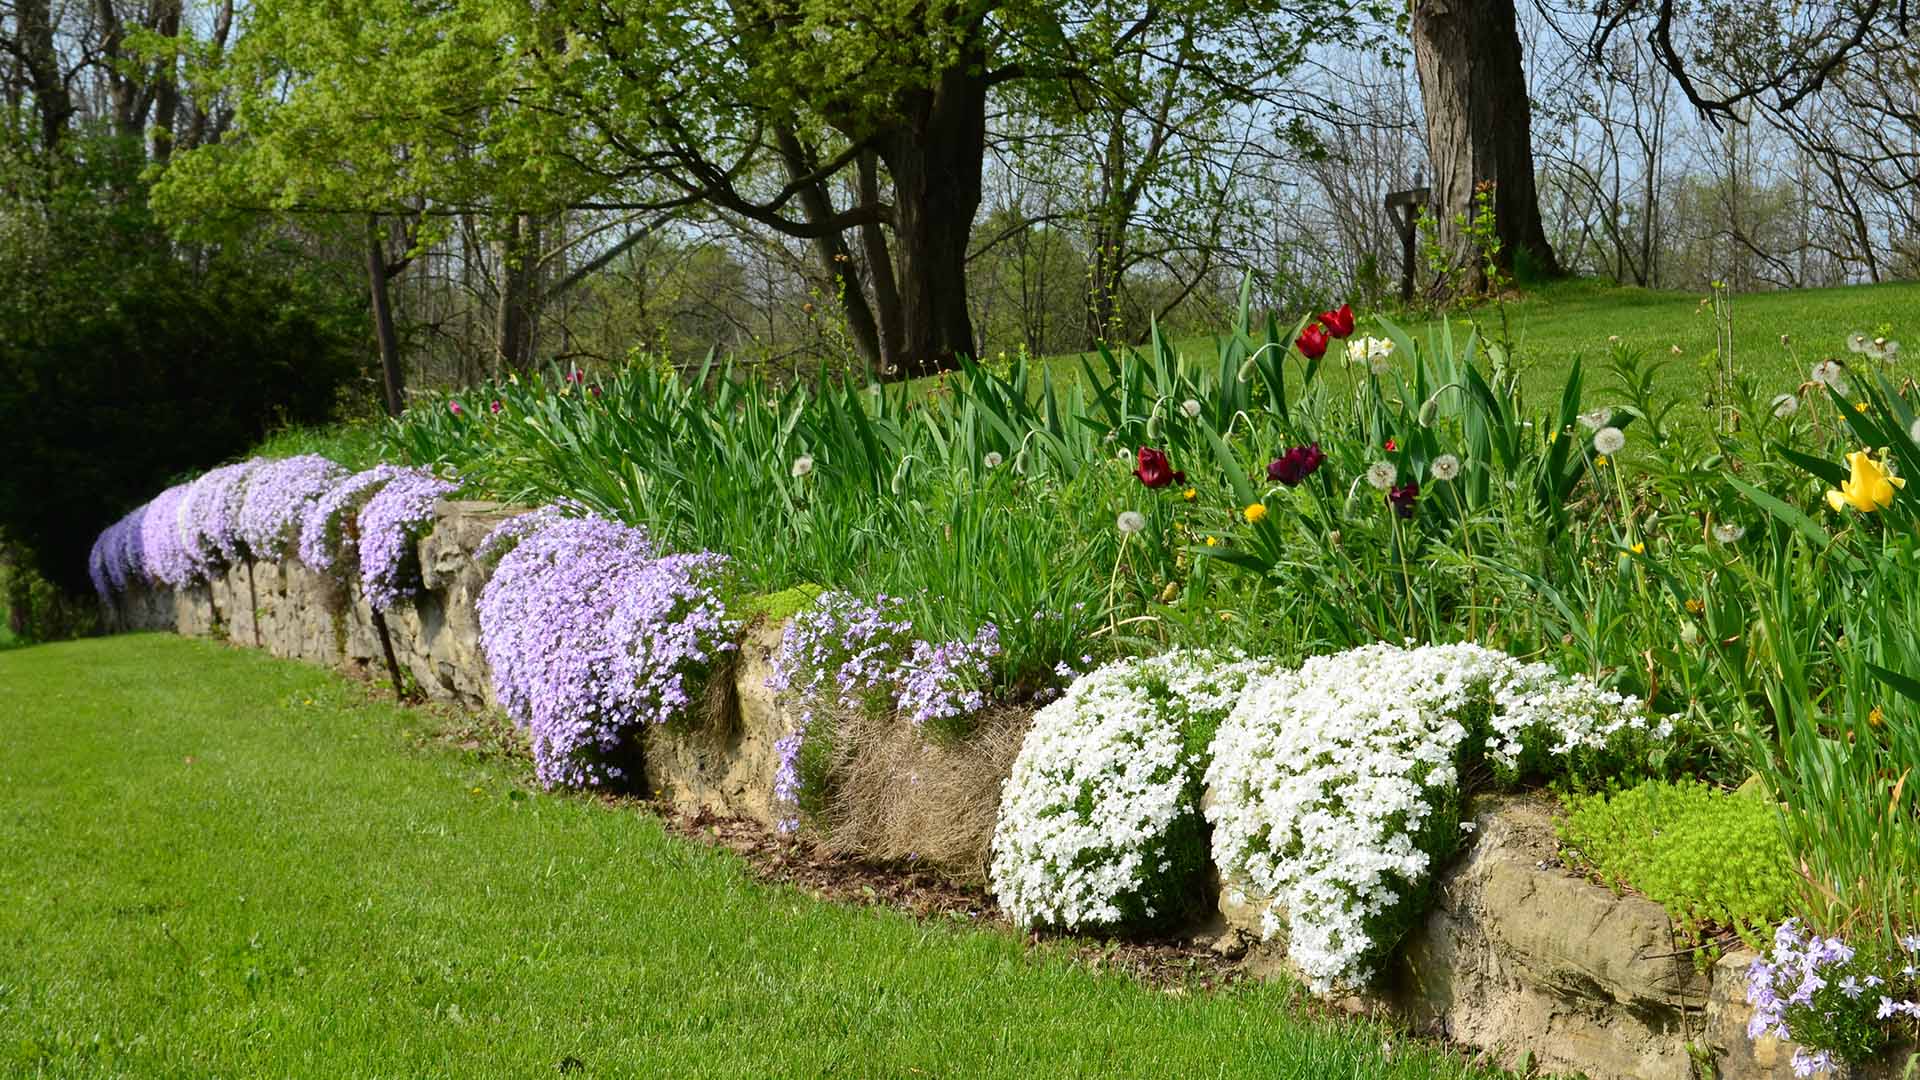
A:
1479	131
935	160
392	375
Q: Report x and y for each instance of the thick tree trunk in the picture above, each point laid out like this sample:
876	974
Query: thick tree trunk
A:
513	318
1479	130
935	161
392	375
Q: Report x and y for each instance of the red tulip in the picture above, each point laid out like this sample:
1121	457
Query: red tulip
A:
1338	323
1312	342
1391	447
1155	471
496	406
454	408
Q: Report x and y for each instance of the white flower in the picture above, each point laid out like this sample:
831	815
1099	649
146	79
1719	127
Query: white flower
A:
1830	373
1785	406
1608	440
1729	533
1857	342
1125	457
1914	431
802	465
1099	821
1324	780
1130	522
1445	467
1594	419
993	459
1190	407
1381	474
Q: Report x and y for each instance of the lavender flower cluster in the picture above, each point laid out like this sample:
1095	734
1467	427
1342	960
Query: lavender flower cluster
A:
389	526
850	654
324	536
1828	997
276	499
210	517
261	509
591	633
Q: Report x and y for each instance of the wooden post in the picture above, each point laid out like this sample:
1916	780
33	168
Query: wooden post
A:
1404	208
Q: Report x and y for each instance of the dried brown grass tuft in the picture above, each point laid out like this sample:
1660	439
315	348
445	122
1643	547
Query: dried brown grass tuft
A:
901	795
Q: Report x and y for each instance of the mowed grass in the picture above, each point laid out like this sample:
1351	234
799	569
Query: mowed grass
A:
221	865
1551	324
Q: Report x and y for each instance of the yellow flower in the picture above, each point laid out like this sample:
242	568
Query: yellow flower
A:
1695	607
1860	406
1601	461
1190	494
1255	513
1213	541
1876	717
1869	488
1638	548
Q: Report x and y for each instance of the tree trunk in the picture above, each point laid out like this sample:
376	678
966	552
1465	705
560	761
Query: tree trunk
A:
50	94
513	318
886	290
1109	237
1479	131
935	160
836	261
390	370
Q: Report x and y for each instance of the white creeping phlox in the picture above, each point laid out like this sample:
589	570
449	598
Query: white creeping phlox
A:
1336	787
1100	824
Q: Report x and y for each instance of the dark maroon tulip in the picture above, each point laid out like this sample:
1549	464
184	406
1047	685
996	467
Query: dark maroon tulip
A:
1404	497
1298	463
1155	470
496	406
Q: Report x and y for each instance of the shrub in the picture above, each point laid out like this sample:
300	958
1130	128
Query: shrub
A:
210	516
1100	824
276	501
591	634
163	548
1336	788
325	540
1713	859
389	530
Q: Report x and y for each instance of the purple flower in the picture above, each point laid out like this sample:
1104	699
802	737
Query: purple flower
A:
117	556
390	526
210	516
163	549
276	501
325	538
591	634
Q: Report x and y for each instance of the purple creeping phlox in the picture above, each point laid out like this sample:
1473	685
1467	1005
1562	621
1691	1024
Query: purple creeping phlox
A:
210	516
590	634
276	501
390	526
323	539
163	551
848	654
1826	997
117	556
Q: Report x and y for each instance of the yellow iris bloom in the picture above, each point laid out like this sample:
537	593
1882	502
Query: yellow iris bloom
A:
1869	488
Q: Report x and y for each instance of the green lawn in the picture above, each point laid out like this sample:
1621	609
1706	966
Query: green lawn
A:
219	864
1553	323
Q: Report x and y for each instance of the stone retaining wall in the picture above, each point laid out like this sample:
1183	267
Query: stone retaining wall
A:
1516	956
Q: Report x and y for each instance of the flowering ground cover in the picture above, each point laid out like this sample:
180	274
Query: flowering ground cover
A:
223	864
1716	573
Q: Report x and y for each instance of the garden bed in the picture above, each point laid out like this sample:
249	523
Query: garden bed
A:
1515	955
